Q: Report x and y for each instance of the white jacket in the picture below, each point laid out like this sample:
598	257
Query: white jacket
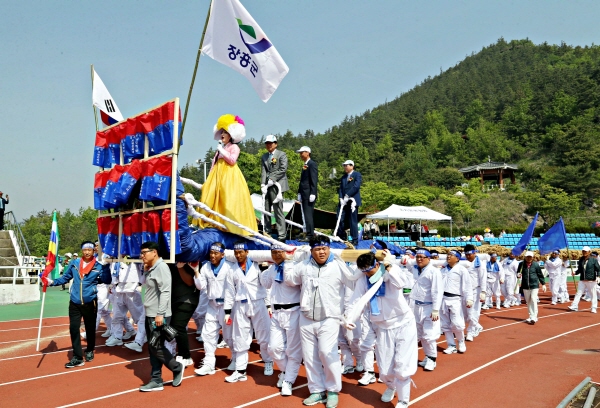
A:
510	266
127	278
282	293
242	286
457	281
553	266
214	285
429	286
478	274
489	267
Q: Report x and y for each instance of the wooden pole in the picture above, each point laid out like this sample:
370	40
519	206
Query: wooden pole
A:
187	104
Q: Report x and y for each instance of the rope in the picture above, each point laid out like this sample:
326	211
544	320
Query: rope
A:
342	205
190	183
295	224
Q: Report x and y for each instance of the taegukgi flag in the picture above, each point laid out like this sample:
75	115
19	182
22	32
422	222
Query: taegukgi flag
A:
234	39
101	99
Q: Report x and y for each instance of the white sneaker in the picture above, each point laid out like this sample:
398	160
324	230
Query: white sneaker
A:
199	331
205	370
106	334
347	370
83	335
280	380
268	368
586	299
222	344
430	365
235	377
422	363
199	338
401	404
451	349
367	378
112	341
498	307
593	311
184	361
485	307
286	389
388	395
231	366
553	303
129	334
462	347
135	346
572	308
469	337
360	367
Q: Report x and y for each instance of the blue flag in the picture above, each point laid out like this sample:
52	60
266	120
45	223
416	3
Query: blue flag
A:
554	238
524	241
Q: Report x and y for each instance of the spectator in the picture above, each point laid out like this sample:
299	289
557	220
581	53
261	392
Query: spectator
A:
3	202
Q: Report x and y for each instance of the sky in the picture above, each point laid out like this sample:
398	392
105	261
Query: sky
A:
344	56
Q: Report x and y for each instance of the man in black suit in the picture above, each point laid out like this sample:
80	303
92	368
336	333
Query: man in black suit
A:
349	194
307	190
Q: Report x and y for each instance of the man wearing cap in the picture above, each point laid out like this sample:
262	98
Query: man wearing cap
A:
426	296
476	265
284	339
244	302
273	183
531	277
510	265
588	270
349	196
495	277
553	266
86	273
307	190
3	202
323	279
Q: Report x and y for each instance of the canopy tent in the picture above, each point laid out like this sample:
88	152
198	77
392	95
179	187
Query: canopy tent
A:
398	212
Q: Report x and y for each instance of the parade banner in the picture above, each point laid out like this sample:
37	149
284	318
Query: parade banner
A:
554	238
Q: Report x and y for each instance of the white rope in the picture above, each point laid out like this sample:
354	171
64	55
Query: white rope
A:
190	183
303	220
295	224
342	205
192	201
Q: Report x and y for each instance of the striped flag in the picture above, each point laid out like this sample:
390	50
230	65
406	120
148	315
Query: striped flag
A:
52	258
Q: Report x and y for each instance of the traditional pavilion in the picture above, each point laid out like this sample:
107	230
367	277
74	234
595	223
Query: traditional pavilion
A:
491	171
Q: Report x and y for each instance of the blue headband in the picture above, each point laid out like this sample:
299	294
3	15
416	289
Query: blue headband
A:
320	244
368	268
472	251
494	255
409	252
241	246
277	247
455	253
424	252
217	248
87	246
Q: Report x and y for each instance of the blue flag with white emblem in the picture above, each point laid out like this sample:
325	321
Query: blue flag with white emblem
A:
554	238
524	241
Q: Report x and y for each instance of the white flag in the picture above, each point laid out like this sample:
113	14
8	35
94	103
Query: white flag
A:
234	39
101	99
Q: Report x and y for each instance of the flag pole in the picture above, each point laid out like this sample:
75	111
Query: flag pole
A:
187	103
95	111
37	347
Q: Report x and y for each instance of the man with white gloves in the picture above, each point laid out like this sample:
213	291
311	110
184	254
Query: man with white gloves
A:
245	304
476	265
284	340
426	297
553	266
212	278
510	265
273	183
323	279
495	278
393	320
458	293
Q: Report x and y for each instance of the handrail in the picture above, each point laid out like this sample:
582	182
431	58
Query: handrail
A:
10	222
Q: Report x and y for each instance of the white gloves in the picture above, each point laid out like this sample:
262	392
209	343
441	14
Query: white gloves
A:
50	281
264	188
311	198
350	326
389	258
220	148
270	183
346	198
482	296
270	311
544	288
469	303
299	197
435	315
227	319
341	202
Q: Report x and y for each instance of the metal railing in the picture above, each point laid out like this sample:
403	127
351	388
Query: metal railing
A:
10	223
21	275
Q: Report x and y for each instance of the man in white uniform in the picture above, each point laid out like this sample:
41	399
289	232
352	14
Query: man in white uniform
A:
245	303
212	278
284	340
510	265
475	264
553	266
495	278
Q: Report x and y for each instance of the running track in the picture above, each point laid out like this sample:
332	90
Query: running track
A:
509	364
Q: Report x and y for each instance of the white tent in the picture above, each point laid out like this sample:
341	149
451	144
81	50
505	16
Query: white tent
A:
398	212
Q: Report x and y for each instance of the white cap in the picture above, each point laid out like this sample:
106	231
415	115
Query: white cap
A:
528	253
303	149
75	254
348	162
68	254
270	138
586	248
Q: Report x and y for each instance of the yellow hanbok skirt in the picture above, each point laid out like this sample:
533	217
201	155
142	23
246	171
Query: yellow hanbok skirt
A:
226	192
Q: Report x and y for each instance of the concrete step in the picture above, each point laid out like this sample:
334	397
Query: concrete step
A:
9	261
4	235
6	243
7	252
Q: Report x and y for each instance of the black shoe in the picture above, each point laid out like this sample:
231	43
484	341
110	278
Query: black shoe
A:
75	362
89	355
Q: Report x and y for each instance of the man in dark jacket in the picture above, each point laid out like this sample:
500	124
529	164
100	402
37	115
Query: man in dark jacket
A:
588	270
531	277
307	190
86	273
349	195
184	301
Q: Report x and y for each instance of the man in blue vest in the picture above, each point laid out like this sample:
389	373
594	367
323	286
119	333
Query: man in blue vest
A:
349	195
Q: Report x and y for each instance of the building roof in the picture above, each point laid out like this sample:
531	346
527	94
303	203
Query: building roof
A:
490	165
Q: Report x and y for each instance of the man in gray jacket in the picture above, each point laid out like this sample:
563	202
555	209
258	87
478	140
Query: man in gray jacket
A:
273	183
157	302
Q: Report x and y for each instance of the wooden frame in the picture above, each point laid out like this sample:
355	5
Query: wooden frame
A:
174	151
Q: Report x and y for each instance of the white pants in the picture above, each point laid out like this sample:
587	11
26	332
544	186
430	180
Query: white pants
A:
555	283
319	350
493	288
215	321
285	346
103	299
590	286
452	319
349	342
248	315
564	293
473	312
397	356
132	302
367	343
508	288
531	297
428	331
200	312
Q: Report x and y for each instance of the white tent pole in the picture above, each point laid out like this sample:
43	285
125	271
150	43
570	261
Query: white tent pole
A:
388	229
451	239
420	230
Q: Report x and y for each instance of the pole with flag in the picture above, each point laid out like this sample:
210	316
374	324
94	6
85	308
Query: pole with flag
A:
556	238
524	242
51	265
